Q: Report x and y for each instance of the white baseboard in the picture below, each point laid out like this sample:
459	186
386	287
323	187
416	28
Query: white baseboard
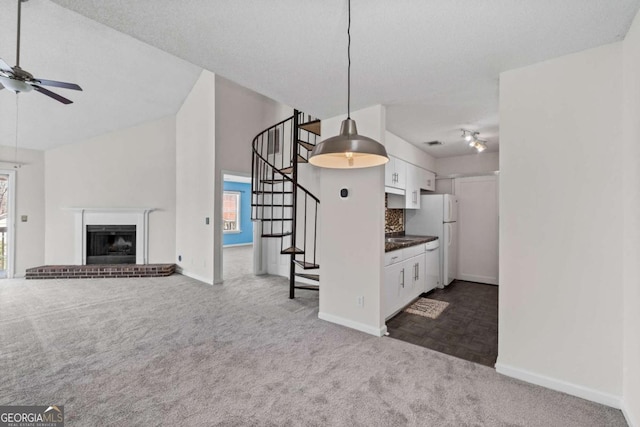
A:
478	279
179	270
237	244
628	416
371	330
560	385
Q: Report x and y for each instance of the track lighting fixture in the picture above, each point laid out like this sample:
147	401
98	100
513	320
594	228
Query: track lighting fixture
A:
480	145
469	136
472	138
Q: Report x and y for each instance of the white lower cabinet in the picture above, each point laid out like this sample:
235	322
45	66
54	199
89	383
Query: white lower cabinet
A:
404	278
394	284
418	275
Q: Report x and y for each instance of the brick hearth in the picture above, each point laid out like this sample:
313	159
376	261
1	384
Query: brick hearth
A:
100	271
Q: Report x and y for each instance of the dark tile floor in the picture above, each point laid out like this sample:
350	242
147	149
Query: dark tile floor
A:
467	328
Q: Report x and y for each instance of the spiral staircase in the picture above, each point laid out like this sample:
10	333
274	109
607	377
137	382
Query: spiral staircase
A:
283	207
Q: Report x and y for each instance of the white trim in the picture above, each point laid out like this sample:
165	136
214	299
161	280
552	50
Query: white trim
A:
193	276
108	216
628	416
560	385
237	244
478	279
371	330
392	190
236	178
11	222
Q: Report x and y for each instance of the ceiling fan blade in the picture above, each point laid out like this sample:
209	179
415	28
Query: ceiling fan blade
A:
52	95
64	85
5	67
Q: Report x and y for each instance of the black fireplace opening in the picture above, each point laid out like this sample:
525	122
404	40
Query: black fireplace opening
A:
111	244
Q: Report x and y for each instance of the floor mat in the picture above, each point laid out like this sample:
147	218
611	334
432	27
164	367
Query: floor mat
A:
426	307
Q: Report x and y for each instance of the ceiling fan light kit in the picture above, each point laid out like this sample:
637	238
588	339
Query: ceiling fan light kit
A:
18	80
348	150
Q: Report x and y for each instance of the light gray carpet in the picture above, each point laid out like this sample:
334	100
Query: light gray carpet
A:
237	261
173	351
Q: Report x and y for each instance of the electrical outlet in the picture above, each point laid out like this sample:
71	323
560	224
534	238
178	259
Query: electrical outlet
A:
360	301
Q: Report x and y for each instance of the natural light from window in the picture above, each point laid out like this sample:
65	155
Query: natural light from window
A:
231	212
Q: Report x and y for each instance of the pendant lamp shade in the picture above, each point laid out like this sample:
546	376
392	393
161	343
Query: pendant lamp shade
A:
348	150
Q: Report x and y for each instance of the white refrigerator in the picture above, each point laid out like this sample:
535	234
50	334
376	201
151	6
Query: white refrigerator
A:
438	216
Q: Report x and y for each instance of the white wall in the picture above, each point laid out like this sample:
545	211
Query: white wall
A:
133	167
631	191
351	243
29	199
408	152
240	115
470	164
561	235
195	180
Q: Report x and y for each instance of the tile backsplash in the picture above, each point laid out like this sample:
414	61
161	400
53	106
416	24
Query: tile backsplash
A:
393	218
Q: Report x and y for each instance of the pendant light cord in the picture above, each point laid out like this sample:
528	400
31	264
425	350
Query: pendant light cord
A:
18	37
349	63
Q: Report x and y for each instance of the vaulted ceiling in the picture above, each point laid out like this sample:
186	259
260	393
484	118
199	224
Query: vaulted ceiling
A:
435	64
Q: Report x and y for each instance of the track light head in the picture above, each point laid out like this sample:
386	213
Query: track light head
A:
472	138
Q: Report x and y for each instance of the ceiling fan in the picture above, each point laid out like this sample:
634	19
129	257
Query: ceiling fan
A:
18	80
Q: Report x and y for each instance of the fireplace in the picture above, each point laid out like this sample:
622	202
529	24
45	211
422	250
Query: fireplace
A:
111	235
111	244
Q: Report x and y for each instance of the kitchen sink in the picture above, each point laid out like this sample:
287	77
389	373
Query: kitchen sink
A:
398	240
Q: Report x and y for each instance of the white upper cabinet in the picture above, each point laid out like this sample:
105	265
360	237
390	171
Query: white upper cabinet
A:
405	180
427	180
395	173
412	189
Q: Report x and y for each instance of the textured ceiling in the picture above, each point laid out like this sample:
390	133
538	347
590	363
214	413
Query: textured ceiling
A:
435	64
125	82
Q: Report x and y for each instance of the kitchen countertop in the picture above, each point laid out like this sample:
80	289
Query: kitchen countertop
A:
407	240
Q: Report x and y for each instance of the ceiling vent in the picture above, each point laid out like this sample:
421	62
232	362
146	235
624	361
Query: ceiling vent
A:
433	143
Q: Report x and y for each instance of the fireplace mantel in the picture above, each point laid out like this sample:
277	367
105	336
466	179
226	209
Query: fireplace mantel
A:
111	216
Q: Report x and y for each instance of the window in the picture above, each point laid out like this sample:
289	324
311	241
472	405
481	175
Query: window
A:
231	212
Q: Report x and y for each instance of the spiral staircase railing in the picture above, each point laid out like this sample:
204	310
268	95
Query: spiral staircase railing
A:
285	209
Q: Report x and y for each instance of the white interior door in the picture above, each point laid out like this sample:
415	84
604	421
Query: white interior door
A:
477	228
7	223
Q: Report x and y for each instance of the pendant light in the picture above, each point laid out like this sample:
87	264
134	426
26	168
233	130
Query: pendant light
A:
348	150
